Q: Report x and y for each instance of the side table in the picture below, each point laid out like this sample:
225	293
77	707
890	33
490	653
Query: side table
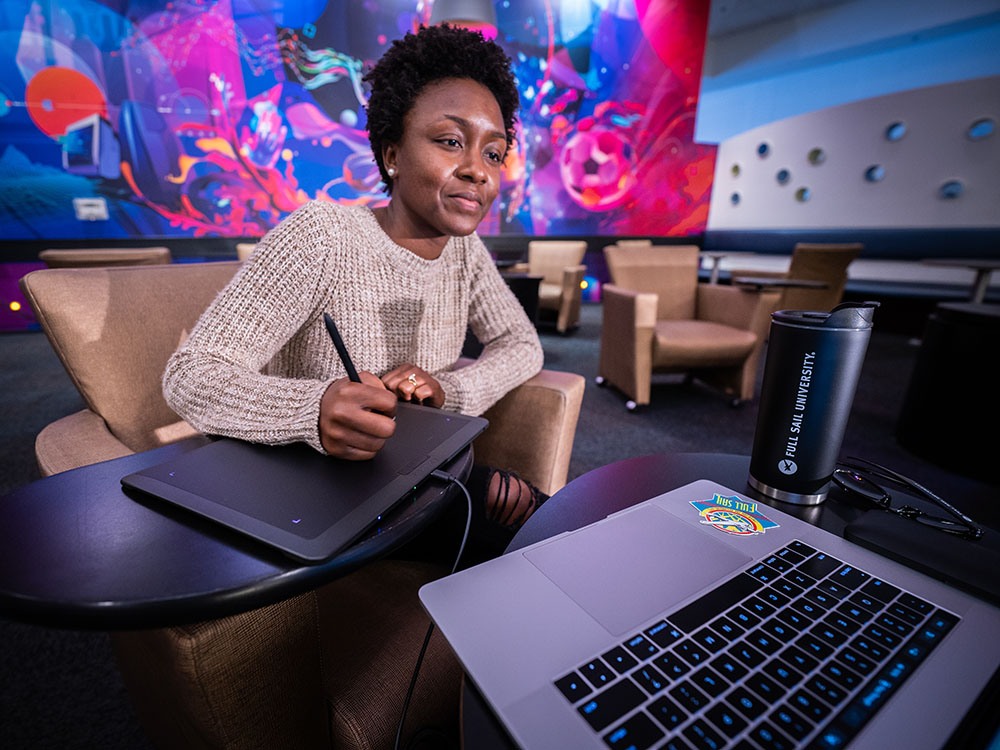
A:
76	551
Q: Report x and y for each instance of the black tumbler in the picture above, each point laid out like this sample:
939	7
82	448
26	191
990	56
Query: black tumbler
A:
810	375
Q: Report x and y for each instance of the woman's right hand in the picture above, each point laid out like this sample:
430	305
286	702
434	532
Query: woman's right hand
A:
355	419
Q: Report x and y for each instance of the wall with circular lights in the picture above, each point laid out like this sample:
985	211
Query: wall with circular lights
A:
928	157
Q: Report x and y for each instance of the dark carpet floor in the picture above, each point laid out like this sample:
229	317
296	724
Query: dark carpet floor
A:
60	689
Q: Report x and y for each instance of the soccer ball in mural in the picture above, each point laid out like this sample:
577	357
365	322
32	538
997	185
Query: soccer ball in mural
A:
598	168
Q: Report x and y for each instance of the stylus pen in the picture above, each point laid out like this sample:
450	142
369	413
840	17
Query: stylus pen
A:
338	342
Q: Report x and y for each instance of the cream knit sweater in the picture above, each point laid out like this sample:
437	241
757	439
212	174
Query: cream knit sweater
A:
259	359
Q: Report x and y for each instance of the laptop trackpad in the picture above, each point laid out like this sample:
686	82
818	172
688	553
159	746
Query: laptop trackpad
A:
626	571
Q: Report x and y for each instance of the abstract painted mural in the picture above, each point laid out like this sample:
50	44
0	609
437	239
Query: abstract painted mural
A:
195	118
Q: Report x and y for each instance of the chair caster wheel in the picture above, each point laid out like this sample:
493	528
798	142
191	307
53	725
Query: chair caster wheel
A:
631	405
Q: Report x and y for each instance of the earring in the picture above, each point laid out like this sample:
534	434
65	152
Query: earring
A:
391	171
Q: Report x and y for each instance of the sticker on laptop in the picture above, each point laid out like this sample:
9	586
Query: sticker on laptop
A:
733	515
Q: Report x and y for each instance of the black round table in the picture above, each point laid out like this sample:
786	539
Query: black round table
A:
76	551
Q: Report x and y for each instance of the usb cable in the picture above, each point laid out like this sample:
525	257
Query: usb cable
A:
444	477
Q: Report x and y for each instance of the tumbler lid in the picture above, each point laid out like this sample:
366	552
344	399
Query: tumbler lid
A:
856	315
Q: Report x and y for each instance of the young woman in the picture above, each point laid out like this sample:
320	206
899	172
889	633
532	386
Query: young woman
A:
403	283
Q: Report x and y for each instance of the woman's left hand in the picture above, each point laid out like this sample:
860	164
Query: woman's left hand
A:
410	383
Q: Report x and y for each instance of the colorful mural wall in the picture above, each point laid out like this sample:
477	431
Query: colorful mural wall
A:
194	118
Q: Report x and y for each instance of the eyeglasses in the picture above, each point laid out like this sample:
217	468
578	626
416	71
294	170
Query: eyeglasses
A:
855	476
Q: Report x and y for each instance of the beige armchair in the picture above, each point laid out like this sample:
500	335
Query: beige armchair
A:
824	262
92	257
634	243
245	249
326	669
657	318
560	264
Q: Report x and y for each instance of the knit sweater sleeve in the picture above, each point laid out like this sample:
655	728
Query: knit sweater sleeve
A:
216	380
511	352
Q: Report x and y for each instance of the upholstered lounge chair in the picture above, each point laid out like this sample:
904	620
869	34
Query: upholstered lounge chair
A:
811	261
245	249
560	264
657	318
640	242
92	257
326	669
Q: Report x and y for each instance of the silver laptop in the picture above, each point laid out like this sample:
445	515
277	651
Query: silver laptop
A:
307	505
700	618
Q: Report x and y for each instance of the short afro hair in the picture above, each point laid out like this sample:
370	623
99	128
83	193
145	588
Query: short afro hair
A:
432	54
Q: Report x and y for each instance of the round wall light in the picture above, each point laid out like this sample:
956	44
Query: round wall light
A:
981	129
951	190
875	173
895	131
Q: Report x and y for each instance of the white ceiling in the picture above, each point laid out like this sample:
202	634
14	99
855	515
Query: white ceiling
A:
726	16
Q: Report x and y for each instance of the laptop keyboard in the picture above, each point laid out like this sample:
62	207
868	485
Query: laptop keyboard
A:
799	650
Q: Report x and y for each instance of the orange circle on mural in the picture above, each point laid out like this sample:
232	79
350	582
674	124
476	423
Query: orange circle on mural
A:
58	97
